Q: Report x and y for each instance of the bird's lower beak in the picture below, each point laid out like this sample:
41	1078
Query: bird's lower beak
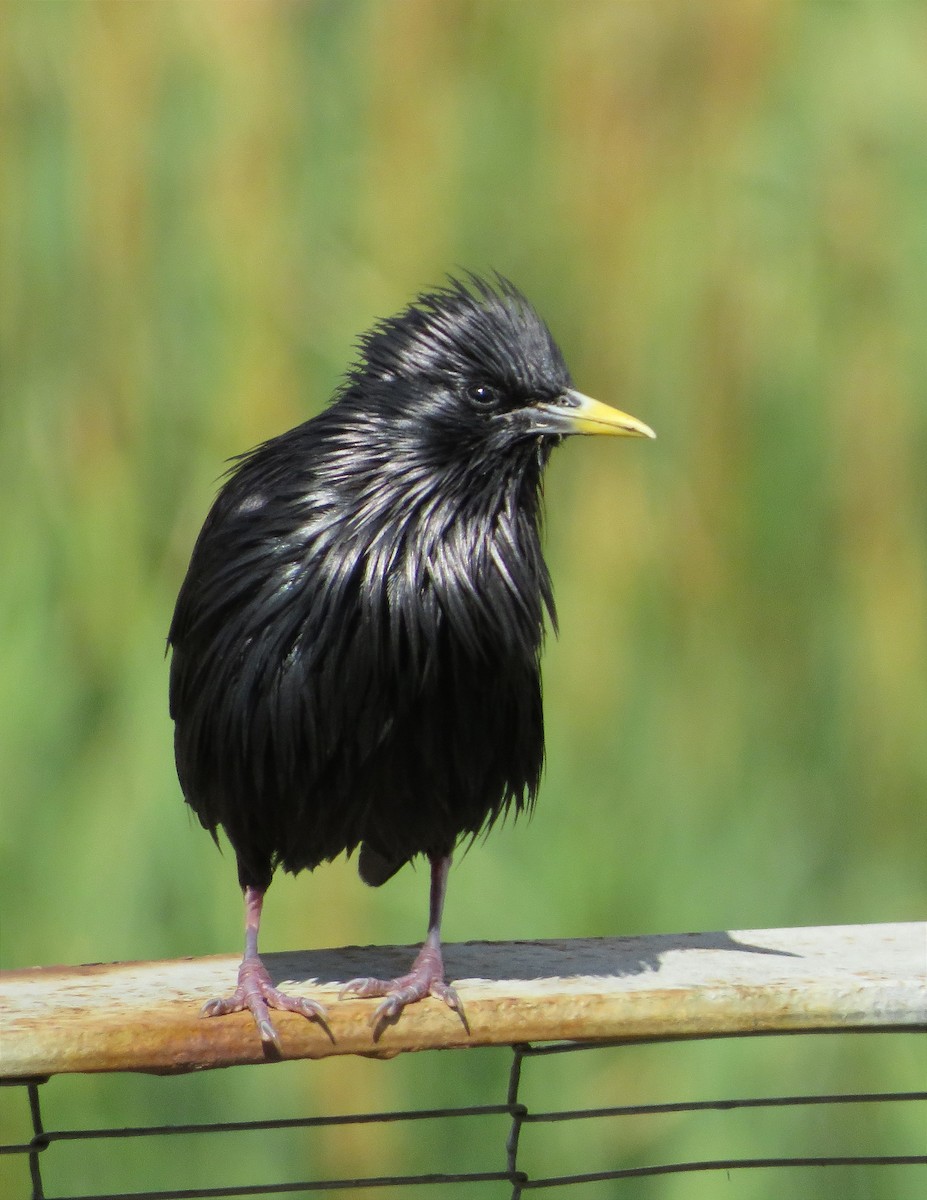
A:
575	413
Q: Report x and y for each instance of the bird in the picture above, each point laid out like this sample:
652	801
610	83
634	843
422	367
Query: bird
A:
355	647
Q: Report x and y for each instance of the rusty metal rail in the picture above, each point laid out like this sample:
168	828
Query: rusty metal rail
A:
145	1016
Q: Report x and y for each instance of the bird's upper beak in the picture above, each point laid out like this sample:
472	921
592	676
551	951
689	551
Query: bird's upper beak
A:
575	413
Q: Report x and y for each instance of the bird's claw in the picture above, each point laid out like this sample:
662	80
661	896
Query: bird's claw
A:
256	994
397	993
395	1001
443	991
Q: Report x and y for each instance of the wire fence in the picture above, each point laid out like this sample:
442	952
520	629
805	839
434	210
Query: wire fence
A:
506	1165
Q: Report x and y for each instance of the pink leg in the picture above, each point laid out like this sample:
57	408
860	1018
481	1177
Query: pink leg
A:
427	977
255	990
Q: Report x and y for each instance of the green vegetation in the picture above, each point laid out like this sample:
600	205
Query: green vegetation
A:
721	208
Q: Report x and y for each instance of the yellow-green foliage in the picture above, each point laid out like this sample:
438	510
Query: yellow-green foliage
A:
721	208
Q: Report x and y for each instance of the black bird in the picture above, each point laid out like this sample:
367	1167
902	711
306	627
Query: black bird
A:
356	642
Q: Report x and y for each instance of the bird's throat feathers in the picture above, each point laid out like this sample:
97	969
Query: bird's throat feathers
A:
452	554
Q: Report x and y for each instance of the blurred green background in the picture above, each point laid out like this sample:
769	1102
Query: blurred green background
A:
721	209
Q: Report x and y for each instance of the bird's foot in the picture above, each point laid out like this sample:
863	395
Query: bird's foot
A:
425	979
256	993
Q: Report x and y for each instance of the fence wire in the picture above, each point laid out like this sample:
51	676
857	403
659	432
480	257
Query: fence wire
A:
514	1176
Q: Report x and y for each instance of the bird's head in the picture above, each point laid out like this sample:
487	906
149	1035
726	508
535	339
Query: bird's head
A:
471	372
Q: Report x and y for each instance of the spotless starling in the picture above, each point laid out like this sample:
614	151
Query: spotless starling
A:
356	642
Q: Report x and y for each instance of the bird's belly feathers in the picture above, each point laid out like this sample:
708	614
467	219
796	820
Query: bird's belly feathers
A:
301	756
349	696
411	772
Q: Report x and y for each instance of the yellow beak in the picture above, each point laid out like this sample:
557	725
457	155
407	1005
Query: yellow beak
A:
575	413
591	416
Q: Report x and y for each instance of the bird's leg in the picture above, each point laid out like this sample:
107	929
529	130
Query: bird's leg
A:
427	977
255	990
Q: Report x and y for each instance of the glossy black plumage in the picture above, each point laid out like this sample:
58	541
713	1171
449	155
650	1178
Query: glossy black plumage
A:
356	643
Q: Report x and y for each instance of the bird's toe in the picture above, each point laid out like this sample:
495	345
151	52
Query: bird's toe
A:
363	988
269	1035
310	1009
217	1007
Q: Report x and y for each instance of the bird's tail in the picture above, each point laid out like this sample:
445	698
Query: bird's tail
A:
375	868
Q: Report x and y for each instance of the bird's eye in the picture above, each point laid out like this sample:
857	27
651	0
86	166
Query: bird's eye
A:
482	396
